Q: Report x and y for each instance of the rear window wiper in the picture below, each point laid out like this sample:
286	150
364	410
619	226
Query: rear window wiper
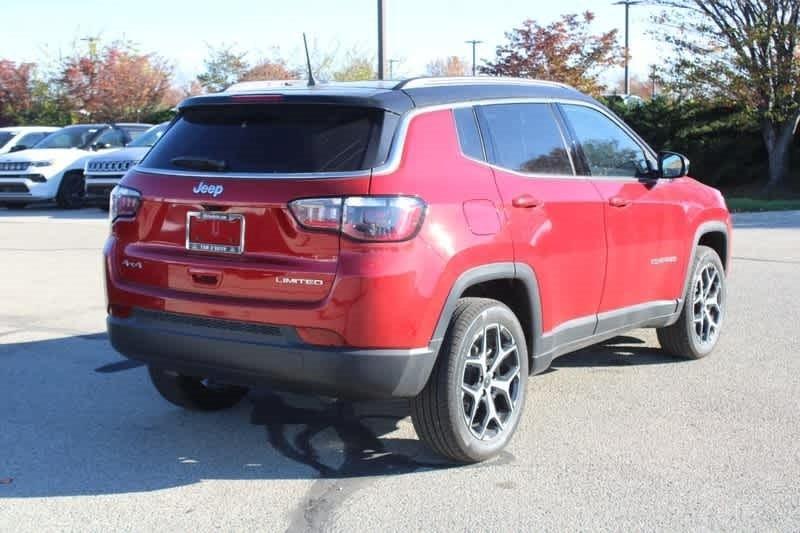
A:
199	163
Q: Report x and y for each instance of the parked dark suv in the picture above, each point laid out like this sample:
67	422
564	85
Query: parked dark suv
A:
435	239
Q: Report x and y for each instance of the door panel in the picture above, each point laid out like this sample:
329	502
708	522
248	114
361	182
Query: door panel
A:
556	218
642	256
562	239
643	222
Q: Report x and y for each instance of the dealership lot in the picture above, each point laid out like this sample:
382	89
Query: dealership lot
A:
616	436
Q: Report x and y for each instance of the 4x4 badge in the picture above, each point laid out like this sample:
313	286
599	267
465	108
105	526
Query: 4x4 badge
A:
205	188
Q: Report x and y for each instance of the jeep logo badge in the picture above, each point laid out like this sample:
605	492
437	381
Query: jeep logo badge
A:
205	188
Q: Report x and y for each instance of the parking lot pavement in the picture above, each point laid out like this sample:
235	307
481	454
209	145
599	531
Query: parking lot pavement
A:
617	436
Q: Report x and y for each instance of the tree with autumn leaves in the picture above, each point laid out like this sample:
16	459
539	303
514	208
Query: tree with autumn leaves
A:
116	84
565	51
112	83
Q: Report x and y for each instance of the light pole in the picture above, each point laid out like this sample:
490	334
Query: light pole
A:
474	43
391	67
627	4
381	38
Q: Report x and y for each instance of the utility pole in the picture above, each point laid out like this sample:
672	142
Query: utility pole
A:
474	43
381	38
627	4
391	69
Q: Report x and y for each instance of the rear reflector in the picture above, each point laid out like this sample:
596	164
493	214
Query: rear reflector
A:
363	218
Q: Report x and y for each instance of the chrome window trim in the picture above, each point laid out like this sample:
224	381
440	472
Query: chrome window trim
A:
254	175
395	153
394	159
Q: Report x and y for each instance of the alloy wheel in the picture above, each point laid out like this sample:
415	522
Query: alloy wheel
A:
490	382
707	303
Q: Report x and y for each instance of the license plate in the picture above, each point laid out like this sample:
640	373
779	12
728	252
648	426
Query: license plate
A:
221	233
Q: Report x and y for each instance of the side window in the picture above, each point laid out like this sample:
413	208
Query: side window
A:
526	138
112	137
468	134
608	149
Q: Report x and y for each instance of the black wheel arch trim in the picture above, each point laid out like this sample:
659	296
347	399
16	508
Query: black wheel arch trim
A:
712	226
490	272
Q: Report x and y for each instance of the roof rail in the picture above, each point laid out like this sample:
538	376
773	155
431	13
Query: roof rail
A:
417	83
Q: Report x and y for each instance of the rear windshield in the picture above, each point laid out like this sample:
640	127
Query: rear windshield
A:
272	138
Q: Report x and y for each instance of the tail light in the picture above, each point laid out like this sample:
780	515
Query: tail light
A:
363	218
123	203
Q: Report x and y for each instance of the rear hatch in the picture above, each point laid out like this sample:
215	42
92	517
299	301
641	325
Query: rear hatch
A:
214	217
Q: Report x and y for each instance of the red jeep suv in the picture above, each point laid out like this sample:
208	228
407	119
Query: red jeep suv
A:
434	239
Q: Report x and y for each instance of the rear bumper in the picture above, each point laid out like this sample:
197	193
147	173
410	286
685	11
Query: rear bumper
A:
256	354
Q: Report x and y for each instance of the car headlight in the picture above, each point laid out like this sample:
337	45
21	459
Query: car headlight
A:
41	163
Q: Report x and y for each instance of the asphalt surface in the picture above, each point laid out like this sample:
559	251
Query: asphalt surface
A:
615	437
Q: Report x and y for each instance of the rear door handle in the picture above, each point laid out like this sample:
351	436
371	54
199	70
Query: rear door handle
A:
618	201
526	201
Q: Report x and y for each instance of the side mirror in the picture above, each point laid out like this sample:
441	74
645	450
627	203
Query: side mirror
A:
100	146
672	165
18	148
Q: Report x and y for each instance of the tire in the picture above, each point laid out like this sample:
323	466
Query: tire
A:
192	393
71	191
447	417
696	333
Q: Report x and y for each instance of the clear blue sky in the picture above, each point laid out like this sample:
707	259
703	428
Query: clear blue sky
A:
417	30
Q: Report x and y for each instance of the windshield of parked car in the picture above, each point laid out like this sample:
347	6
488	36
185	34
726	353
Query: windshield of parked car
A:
5	136
149	137
71	137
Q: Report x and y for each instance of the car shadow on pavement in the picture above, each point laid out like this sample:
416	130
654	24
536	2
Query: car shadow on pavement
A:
619	351
72	427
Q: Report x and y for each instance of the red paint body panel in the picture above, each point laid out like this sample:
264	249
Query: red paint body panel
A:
562	239
587	255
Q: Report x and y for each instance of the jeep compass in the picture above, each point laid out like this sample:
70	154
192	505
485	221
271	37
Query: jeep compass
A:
434	239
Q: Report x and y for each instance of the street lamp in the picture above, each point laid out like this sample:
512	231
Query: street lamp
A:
627	4
474	43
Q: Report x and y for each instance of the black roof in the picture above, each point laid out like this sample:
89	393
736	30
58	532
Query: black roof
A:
395	96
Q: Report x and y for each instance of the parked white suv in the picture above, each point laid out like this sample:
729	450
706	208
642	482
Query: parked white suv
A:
17	138
54	168
103	172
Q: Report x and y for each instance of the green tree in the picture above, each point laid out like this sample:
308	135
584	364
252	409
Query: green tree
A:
224	66
743	52
357	66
